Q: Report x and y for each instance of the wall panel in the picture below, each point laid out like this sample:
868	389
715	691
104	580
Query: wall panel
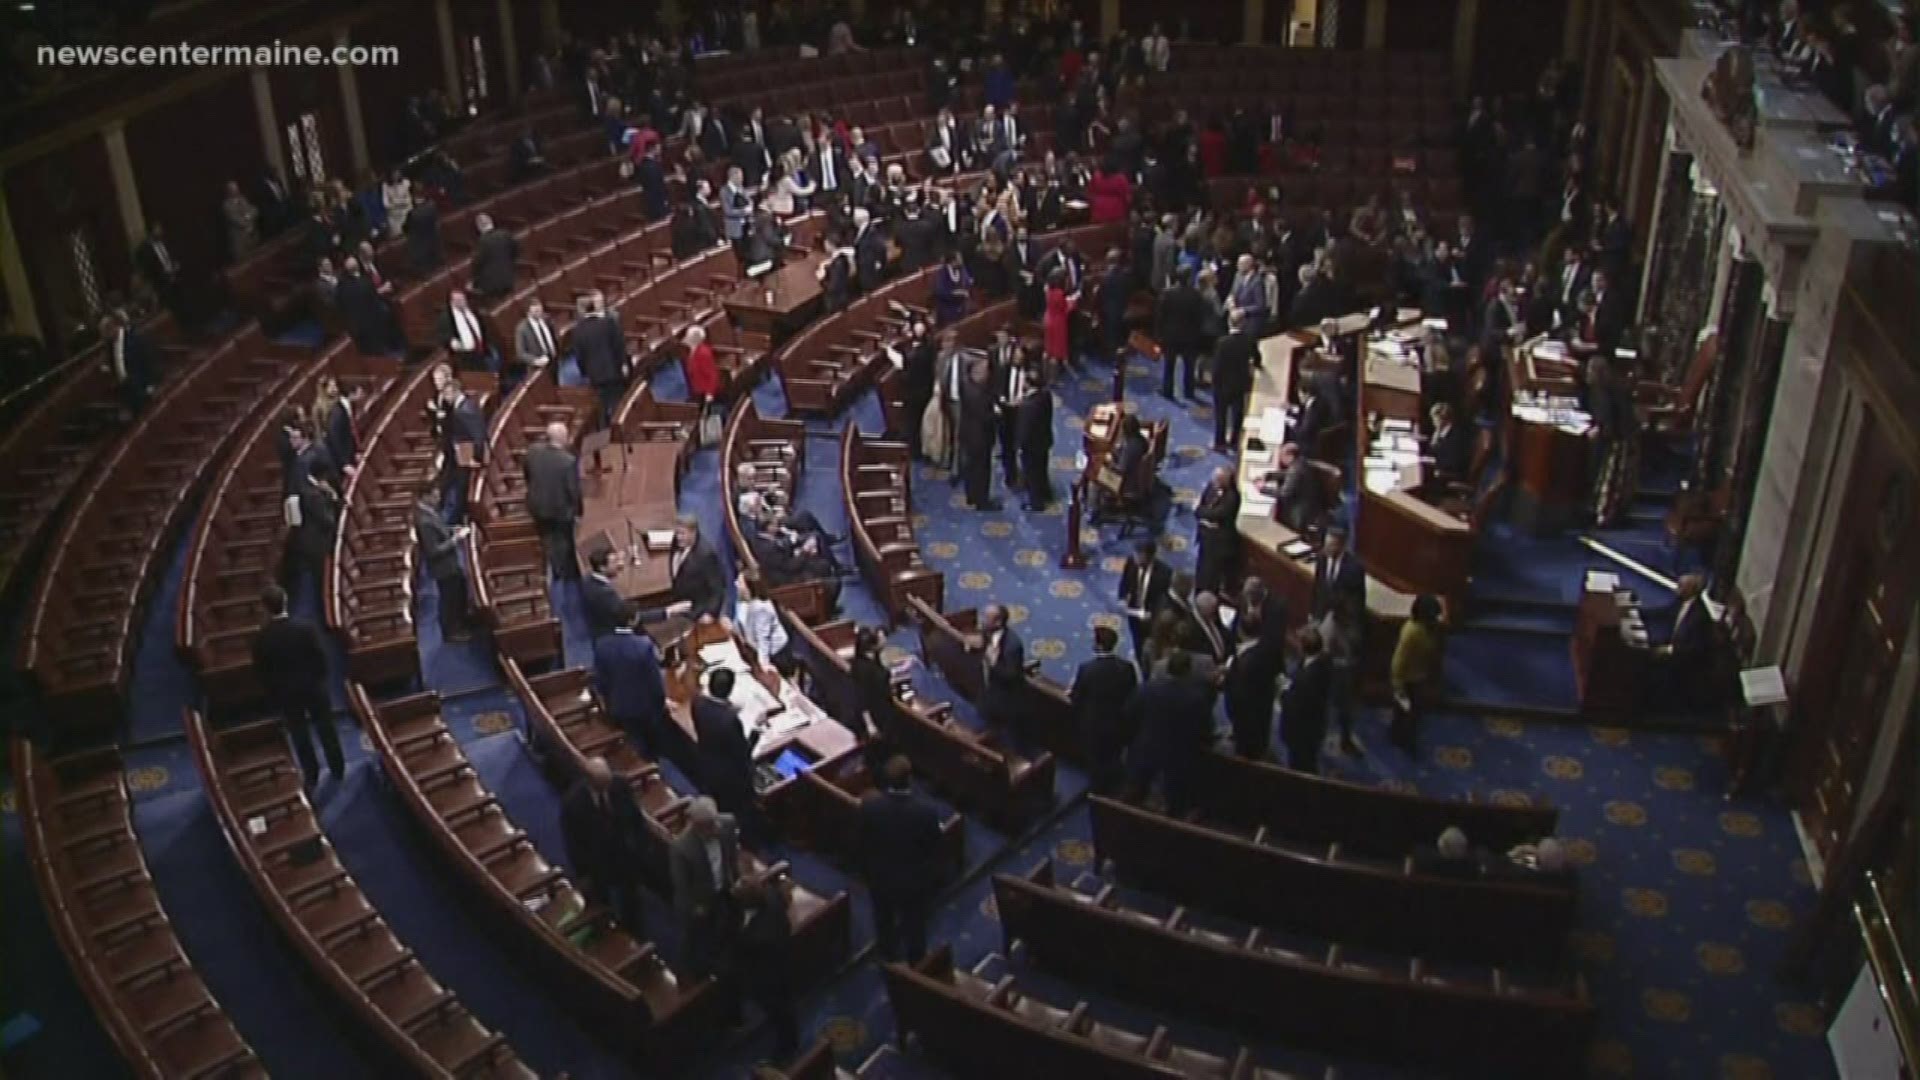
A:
218	127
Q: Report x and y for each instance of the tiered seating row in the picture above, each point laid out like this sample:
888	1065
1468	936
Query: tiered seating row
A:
982	1027
605	974
1325	892
947	645
368	593
1341	1003
50	448
968	766
236	548
833	361
567	725
772	454
84	619
415	1024
77	817
876	481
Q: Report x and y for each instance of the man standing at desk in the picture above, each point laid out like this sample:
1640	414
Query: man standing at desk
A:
626	670
703	863
1337	572
697	577
725	749
1234	359
1689	651
1218	533
553	498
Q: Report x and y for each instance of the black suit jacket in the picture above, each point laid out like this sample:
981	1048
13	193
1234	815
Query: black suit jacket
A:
899	838
1158	575
465	424
494	258
700	581
1179	320
1218	509
290	659
870	259
1692	632
651	178
601	350
1352	581
423	236
1453	452
1006	677
1233	361
603	605
601	837
343	446
1101	690
553	483
725	748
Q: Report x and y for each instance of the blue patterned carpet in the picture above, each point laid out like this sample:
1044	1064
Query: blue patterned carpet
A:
1686	897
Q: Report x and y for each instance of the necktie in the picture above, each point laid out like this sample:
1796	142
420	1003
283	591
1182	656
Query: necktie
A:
546	338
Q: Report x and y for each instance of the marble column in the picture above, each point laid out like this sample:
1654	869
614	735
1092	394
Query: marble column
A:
509	49
13	272
350	110
449	52
270	143
1742	313
1747	440
1376	26
126	193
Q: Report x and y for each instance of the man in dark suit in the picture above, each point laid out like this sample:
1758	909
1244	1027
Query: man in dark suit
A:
1234	359
463	444
601	351
1012	381
1143	591
553	498
1179	322
1451	446
312	541
651	178
496	254
899	834
602	825
626	671
1298	489
424	248
525	160
1021	265
1303	711
1336	572
161	267
978	425
703	865
337	435
130	360
1101	690
1316	413
600	600
464	336
1252	676
1573	280
725	749
1003	663
698	580
1689	650
536	345
368	315
1217	519
715	140
440	553
869	252
1175	721
290	660
1609	311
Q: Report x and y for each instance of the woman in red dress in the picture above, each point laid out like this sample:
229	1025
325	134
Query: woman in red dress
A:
1054	324
703	371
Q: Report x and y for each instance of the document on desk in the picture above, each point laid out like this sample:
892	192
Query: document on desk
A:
1273	425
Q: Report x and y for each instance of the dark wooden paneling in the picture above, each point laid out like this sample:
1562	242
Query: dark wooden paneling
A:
1201	20
1511	42
48	198
595	19
220	125
482	20
1422	25
298	90
384	90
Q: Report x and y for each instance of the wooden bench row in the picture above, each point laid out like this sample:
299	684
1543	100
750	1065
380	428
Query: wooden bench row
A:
982	1027
237	543
1399	1013
83	622
876	480
824	367
52	445
405	1018
1325	892
768	456
966	766
77	818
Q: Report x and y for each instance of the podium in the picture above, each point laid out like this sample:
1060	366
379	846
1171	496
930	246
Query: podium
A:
1611	650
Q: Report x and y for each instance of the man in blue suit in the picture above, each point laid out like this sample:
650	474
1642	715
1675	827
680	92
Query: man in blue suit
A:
899	841
1689	652
626	669
1174	717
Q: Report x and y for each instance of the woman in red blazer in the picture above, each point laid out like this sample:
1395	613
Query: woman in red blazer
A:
1054	324
1109	196
703	371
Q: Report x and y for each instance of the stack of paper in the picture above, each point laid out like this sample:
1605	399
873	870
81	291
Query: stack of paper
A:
1602	581
1763	686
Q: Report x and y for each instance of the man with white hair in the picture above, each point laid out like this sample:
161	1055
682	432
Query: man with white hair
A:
495	257
553	498
602	825
1452	856
869	251
704	865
